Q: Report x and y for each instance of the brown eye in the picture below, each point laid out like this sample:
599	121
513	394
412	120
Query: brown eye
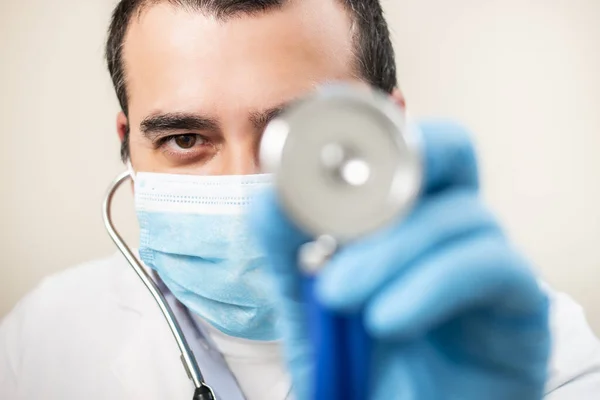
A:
186	141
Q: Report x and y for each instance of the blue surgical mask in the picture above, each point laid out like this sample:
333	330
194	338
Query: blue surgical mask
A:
193	233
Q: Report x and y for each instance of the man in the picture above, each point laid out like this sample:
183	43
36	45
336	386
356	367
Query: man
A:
453	311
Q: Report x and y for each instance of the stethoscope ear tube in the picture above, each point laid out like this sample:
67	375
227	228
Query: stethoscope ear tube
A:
202	391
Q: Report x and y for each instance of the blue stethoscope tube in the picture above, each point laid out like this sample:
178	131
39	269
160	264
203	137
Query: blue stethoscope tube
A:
341	350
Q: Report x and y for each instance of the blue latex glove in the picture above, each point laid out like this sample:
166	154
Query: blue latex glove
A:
453	309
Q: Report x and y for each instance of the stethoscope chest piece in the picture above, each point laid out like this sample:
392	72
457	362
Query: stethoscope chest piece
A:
345	162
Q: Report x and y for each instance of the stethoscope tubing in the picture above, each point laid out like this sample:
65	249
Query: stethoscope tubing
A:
202	391
342	350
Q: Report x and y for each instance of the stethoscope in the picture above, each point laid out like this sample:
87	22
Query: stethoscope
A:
346	164
201	390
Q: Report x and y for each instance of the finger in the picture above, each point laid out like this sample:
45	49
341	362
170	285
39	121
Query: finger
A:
405	370
280	238
358	271
449	156
477	272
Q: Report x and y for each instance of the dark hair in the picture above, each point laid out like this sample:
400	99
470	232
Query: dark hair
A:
374	51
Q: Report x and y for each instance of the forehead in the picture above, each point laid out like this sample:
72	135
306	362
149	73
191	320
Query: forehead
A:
178	58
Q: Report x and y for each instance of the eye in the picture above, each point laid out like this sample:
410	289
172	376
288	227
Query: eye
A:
185	147
186	141
182	143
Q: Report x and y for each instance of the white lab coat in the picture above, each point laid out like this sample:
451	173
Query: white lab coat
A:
93	332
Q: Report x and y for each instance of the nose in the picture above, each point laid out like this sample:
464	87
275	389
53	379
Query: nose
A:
240	157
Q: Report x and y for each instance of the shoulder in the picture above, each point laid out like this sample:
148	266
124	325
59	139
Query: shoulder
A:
64	316
85	286
77	299
85	279
87	289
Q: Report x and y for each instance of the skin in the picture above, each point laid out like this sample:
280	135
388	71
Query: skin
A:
228	78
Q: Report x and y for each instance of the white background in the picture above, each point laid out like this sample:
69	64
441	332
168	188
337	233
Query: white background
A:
524	75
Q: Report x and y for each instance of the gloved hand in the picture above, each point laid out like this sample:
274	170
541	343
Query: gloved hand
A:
453	309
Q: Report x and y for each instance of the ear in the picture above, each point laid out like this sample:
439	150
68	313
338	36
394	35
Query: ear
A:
398	98
122	130
122	125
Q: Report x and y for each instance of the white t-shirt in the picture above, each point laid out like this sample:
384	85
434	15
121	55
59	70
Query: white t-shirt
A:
258	367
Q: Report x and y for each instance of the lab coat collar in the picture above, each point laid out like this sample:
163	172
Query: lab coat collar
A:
131	293
150	339
147	340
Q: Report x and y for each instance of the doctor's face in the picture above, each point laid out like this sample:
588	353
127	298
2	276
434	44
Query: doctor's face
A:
201	90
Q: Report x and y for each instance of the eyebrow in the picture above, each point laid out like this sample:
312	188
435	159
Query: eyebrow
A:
153	125
261	118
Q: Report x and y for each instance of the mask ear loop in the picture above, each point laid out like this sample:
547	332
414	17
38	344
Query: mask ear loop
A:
202	391
130	169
